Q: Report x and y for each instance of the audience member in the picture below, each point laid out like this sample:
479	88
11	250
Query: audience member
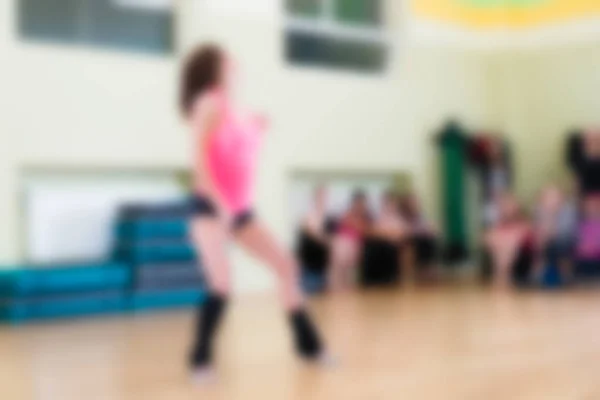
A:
588	238
584	159
381	263
347	242
313	243
510	244
555	232
389	225
421	241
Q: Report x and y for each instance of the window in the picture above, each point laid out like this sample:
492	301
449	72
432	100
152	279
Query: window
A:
105	23
344	34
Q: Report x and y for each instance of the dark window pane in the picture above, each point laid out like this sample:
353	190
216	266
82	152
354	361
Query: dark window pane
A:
304	8
49	19
304	49
129	28
97	22
364	12
317	50
356	55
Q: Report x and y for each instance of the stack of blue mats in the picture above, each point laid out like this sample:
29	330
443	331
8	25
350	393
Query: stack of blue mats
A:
154	240
63	290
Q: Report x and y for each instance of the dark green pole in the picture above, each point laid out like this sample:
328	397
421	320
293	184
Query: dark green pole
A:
452	146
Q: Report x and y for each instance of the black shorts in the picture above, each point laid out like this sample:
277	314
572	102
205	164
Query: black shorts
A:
204	207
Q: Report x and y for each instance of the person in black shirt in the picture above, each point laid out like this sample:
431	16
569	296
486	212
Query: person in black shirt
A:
583	157
381	261
313	241
422	237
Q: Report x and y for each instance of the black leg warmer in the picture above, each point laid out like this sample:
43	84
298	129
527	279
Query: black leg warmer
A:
306	339
210	314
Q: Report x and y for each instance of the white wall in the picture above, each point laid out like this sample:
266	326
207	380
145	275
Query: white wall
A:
541	82
78	107
69	107
539	96
332	120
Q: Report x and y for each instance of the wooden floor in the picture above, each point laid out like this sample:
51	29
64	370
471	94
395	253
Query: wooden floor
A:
453	343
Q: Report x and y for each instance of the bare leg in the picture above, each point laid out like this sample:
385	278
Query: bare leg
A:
335	265
210	237
408	262
504	258
538	269
257	239
566	269
341	261
353	252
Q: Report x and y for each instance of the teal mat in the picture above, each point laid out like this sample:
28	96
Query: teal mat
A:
64	307
62	278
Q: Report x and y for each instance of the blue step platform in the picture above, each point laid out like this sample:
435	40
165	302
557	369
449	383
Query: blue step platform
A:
167	275
156	252
152	228
166	299
135	211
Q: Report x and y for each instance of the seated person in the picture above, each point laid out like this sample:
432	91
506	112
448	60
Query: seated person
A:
510	244
421	236
381	254
313	243
588	239
347	242
555	231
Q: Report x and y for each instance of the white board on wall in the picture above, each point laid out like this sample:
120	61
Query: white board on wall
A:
72	218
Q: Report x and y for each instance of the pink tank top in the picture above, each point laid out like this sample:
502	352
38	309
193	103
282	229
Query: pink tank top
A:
349	232
232	156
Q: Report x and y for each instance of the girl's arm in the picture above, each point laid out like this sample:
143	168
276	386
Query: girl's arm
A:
205	118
